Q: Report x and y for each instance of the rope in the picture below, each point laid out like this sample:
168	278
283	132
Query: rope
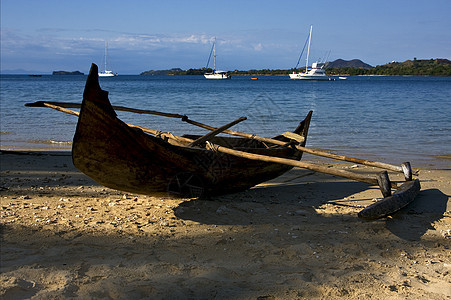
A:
211	51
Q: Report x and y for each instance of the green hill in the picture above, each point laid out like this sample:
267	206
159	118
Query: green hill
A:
354	63
430	67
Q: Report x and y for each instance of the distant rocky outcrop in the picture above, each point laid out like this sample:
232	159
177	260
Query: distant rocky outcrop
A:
161	72
354	63
67	73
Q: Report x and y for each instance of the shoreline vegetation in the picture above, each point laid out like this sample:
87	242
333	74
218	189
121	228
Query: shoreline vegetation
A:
431	67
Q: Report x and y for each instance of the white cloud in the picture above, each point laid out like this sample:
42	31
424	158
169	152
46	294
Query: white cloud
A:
59	47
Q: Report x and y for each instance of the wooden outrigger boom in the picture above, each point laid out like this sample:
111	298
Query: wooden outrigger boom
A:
60	106
122	156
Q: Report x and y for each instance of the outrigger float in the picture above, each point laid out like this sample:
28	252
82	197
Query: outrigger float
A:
140	160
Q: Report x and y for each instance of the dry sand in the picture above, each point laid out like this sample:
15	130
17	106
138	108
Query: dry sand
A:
296	237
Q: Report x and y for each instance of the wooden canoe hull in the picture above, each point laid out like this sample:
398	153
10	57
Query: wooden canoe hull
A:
127	159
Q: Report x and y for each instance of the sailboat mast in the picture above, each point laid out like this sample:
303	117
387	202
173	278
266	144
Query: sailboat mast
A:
214	57
106	46
308	49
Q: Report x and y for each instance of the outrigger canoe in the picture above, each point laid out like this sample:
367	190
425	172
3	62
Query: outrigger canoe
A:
140	160
126	158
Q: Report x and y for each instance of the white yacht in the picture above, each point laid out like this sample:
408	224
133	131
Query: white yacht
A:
316	72
216	74
106	73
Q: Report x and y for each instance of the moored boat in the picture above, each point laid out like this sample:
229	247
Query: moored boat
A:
216	74
106	73
316	72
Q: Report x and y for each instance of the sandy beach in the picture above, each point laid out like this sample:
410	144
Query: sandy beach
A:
297	237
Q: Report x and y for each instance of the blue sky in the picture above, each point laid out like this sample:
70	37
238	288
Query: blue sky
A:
47	35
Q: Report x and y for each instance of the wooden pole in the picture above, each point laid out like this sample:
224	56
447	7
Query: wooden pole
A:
295	163
215	132
178	139
120	108
305	149
351	159
183	141
56	107
231	132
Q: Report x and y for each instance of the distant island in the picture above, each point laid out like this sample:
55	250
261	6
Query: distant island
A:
355	67
67	73
162	72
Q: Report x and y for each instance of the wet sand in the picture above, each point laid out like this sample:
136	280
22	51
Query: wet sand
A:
296	237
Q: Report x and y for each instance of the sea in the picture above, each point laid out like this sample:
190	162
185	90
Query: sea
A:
382	118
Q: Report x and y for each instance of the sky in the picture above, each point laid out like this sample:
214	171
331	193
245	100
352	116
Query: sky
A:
47	35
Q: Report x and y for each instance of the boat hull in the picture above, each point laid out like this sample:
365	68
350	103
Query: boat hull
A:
302	76
217	76
127	159
107	74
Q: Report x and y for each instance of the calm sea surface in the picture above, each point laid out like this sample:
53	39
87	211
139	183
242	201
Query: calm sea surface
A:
392	119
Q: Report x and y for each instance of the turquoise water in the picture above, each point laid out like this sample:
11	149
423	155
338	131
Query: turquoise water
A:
393	119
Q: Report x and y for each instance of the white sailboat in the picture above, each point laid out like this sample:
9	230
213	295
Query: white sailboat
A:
106	73
216	74
316	72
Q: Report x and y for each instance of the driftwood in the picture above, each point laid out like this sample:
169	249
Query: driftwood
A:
389	205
